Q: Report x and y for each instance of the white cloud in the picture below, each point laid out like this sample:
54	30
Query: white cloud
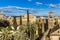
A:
13	9
54	5
38	3
29	0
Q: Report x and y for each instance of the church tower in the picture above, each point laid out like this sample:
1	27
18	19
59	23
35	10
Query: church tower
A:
2	14
50	20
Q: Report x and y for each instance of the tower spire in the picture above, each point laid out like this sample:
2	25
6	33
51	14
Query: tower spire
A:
50	14
2	12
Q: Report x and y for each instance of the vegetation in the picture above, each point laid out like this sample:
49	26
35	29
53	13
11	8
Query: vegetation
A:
20	20
31	30
14	23
27	32
21	34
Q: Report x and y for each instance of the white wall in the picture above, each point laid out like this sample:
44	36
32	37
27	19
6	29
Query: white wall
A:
54	37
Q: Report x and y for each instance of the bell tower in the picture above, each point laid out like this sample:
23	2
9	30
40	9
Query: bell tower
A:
2	14
50	20
50	14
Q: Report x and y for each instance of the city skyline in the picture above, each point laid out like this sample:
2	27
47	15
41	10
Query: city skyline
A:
36	7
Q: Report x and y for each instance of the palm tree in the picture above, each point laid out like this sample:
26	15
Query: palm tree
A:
5	35
21	34
31	29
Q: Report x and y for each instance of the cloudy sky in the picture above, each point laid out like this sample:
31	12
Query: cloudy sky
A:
36	7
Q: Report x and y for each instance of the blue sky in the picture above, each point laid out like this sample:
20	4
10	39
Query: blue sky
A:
36	7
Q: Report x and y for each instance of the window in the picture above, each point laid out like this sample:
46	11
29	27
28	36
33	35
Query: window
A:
59	38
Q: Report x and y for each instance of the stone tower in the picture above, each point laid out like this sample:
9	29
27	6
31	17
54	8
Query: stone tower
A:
2	14
50	20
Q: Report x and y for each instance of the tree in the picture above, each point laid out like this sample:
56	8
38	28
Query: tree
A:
20	20
21	34
27	17
14	23
31	31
